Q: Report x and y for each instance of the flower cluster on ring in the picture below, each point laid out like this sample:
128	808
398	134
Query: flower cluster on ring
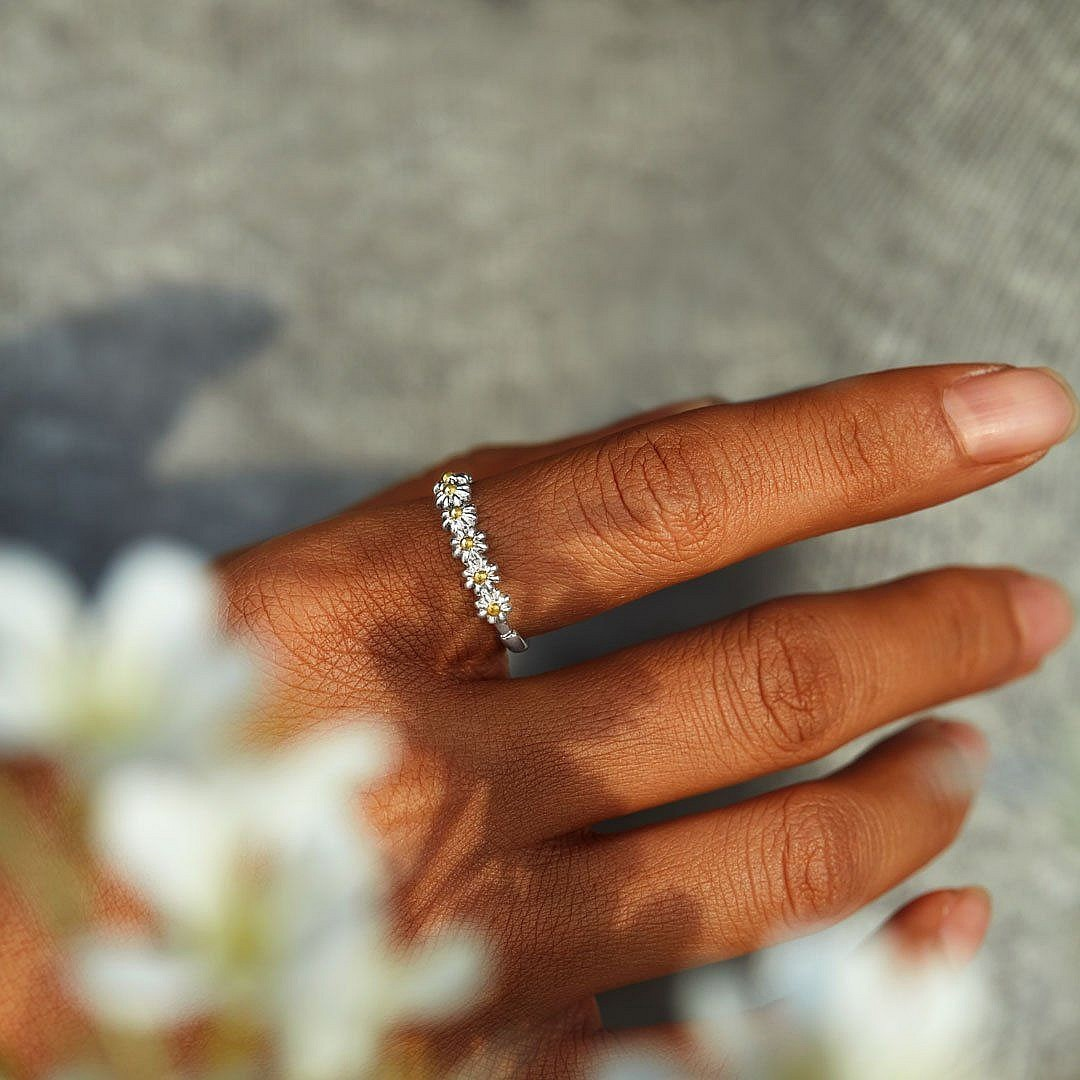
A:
453	489
492	604
453	494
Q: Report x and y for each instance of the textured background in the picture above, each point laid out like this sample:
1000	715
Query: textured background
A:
256	258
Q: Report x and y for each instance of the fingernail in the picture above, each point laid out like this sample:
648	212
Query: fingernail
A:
1008	413
1043	612
970	741
964	924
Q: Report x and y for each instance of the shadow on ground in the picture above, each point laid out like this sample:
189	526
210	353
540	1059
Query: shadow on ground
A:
84	400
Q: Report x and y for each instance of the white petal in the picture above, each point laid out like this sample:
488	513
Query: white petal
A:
39	608
161	663
443	978
157	599
39	601
333	999
310	781
637	1065
714	1003
132	984
874	1002
338	759
204	700
323	1044
167	834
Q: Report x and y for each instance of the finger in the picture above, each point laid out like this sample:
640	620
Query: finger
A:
604	523
769	688
948	926
484	461
716	885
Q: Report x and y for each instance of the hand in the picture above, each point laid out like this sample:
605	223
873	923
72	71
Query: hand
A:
488	819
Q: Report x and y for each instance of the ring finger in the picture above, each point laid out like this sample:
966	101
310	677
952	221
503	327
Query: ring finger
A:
763	690
723	883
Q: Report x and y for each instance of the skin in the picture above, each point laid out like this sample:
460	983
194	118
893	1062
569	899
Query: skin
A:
487	818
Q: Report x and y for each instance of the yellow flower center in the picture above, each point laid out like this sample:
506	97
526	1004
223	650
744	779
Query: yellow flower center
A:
456	512
451	489
493	608
467	543
446	478
480	577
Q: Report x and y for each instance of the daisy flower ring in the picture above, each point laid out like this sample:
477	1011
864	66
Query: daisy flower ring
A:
453	497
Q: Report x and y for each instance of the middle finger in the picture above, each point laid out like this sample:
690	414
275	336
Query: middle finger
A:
719	884
763	690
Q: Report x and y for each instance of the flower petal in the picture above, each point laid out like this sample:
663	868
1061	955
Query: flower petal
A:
319	776
166	834
441	978
39	608
163	670
875	1000
334	761
640	1064
157	598
333	999
129	983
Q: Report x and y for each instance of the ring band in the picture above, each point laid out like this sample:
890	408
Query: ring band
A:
453	496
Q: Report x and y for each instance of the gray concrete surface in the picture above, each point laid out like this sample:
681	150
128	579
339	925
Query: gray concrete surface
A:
256	258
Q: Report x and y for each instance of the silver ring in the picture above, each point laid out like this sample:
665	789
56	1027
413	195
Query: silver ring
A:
453	496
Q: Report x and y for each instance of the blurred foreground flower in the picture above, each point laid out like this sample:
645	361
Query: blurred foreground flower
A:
266	922
269	901
144	666
868	1013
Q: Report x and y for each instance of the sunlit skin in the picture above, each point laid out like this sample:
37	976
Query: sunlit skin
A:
488	817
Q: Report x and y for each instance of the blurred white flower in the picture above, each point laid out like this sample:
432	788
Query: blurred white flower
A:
145	665
638	1064
270	899
869	1013
346	990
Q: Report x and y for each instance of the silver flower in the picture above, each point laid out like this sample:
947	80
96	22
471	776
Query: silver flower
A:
458	519
453	489
480	574
492	604
469	545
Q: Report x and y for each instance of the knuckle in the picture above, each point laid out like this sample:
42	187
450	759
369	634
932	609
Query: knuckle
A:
819	870
797	686
657	488
317	607
858	450
978	636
